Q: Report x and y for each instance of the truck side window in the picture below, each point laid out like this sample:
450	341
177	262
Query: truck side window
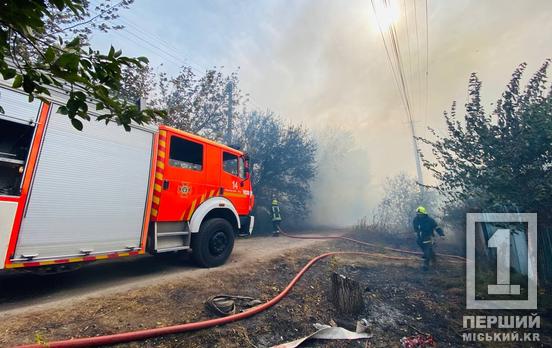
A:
242	168
230	163
186	154
15	142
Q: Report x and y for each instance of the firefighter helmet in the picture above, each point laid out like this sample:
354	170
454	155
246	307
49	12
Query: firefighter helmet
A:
421	210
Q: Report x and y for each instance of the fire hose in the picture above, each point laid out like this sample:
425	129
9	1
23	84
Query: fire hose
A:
455	257
180	328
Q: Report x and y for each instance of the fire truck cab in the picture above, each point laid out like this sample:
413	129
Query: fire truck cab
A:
71	196
202	196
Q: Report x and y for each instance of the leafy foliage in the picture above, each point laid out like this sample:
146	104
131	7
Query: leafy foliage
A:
402	195
283	164
67	24
282	156
42	63
138	82
500	161
200	104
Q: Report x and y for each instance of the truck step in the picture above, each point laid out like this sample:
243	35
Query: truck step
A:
166	234
164	250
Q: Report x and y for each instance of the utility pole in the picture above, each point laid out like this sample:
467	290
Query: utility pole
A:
230	112
417	156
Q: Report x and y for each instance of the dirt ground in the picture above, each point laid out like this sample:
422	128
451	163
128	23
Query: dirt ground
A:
22	291
401	301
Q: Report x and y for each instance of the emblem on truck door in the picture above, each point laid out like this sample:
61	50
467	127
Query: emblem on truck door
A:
184	190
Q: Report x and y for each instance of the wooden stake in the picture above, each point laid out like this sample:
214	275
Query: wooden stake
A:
346	294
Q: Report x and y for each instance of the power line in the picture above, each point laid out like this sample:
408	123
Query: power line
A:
418	54
407	29
160	41
390	61
160	47
427	62
400	76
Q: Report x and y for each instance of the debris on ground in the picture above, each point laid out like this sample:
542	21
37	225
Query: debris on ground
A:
418	341
225	305
326	332
400	303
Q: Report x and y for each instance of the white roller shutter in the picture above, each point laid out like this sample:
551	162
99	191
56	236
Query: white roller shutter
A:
89	191
17	108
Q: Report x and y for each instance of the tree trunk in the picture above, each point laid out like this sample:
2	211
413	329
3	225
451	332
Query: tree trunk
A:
346	294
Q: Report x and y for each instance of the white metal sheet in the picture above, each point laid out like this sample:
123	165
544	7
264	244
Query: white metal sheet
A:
17	107
89	191
7	216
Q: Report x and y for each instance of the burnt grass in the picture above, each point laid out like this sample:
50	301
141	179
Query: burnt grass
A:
401	300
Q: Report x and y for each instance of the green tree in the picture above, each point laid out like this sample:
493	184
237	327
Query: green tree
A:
499	161
139	82
67	24
402	195
200	104
36	63
283	164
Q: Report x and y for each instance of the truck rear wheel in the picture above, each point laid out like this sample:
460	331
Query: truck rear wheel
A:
212	246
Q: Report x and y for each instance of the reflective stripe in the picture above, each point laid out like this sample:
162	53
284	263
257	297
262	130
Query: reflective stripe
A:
73	259
192	209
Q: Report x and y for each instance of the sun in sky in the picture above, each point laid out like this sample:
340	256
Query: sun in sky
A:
387	13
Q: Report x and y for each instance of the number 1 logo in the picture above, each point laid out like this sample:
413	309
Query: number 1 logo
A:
501	241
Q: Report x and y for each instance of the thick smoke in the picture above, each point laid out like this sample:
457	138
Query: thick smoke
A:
322	63
325	66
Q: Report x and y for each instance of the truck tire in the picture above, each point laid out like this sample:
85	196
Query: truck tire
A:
213	244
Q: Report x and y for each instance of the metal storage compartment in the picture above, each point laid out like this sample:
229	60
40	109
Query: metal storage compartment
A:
89	191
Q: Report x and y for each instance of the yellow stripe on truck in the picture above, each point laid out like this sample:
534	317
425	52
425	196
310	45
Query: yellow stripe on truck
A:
192	209
234	194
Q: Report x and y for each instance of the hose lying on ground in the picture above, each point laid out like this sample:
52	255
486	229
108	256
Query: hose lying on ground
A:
223	305
168	330
370	244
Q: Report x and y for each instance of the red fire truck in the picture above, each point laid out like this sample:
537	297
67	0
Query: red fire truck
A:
74	196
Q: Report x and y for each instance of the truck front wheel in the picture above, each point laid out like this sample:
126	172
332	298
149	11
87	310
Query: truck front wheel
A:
212	246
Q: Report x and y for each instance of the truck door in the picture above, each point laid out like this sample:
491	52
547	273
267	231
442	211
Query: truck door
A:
233	181
184	179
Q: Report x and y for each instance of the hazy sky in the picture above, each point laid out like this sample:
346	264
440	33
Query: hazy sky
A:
322	63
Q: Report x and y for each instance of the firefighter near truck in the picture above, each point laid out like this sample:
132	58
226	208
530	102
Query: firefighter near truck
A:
70	196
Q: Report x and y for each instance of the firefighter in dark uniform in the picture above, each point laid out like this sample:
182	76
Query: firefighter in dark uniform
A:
276	218
425	226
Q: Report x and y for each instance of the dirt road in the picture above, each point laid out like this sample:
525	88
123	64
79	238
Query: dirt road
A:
132	295
21	291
